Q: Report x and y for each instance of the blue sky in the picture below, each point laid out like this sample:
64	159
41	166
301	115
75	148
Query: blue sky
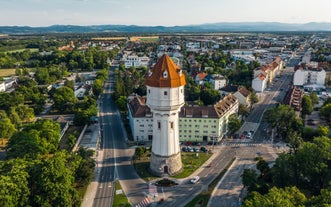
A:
160	12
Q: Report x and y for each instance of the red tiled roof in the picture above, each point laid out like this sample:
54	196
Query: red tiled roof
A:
173	79
202	76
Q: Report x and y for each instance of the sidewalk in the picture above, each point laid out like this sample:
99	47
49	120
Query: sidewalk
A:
90	140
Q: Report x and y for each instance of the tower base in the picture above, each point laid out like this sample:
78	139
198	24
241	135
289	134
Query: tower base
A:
170	165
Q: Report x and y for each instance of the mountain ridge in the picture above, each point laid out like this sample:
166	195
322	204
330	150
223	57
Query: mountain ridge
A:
207	27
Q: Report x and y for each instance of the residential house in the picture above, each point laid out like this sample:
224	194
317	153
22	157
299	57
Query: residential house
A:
199	78
260	82
240	92
293	98
216	80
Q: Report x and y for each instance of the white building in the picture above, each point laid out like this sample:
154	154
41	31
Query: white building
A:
260	82
135	61
196	123
165	96
216	80
309	76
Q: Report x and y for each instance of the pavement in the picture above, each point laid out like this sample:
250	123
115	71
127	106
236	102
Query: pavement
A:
90	140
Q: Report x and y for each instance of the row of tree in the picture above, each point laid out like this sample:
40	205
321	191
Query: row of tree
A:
36	173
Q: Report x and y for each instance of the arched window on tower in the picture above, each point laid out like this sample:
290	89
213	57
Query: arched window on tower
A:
165	74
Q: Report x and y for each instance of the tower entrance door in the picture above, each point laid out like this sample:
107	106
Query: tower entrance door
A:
165	169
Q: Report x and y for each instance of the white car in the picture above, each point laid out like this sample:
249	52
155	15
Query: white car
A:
195	179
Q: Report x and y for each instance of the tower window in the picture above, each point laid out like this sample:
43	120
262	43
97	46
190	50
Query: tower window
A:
158	125
172	125
149	91
165	74
165	93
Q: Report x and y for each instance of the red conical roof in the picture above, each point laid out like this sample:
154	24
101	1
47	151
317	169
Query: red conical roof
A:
165	74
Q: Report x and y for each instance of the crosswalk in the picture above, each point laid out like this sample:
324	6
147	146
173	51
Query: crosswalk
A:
250	144
143	203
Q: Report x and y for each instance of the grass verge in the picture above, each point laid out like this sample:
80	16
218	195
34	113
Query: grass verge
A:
202	199
120	200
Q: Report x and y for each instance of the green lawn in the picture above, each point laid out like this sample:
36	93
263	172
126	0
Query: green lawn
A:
120	200
190	161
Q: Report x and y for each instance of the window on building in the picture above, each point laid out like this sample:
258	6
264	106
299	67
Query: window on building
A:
165	74
158	125
172	125
165	93
149	91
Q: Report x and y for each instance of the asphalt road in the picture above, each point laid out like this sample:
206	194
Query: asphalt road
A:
115	157
230	191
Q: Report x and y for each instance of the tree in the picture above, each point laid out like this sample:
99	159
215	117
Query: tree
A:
121	103
243	110
307	105
249	179
139	152
323	130
314	98
97	87
70	84
64	99
284	119
7	129
41	137
209	96
263	167
324	199
253	98
52	183
277	197
295	141
234	123
14	190
325	112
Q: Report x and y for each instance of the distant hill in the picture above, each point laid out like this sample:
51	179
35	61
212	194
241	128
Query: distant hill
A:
211	27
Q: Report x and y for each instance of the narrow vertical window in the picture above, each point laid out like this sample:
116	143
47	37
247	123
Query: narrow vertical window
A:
159	125
149	91
165	93
172	125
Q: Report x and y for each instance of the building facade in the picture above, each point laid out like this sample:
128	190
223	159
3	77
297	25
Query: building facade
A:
196	123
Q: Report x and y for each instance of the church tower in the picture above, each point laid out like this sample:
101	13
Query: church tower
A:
165	96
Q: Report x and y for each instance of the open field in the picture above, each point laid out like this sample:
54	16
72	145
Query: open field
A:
21	50
109	38
7	72
144	38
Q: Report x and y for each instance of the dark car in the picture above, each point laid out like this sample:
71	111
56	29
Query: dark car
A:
184	149
203	149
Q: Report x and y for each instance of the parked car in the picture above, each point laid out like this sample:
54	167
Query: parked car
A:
195	179
196	149
248	135
203	149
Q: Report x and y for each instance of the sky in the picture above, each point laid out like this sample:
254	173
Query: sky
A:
160	12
